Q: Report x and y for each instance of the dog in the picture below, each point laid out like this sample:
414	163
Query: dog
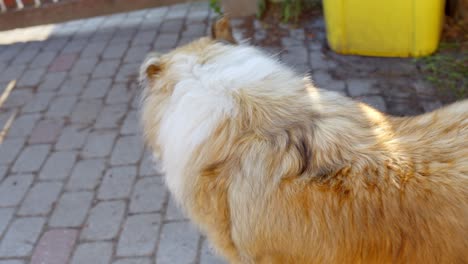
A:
275	170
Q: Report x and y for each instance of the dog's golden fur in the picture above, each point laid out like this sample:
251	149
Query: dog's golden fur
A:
304	175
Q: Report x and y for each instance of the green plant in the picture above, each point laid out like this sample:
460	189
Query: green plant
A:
261	7
291	9
447	70
216	6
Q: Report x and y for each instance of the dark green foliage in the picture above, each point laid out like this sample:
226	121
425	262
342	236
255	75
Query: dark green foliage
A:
447	69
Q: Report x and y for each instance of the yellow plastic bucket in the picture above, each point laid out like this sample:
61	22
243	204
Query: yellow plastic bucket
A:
388	28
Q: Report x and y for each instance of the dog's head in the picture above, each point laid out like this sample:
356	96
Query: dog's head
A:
189	91
199	76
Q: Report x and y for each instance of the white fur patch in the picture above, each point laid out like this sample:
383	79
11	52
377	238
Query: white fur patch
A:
201	99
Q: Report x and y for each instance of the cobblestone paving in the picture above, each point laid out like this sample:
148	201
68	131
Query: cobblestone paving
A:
76	184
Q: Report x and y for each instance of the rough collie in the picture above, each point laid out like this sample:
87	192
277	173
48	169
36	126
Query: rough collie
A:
275	170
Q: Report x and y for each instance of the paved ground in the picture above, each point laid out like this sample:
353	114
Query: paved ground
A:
76	185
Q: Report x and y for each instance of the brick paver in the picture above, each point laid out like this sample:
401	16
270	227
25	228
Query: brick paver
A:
55	247
104	221
77	186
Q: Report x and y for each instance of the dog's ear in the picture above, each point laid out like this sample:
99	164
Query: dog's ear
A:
221	30
151	67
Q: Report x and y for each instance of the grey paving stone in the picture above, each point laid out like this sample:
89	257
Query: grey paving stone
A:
31	77
165	42
360	87
39	103
115	51
132	261
3	172
21	237
72	137
9	149
376	101
3	65
113	20
86	174
95	253
136	54
139	235
315	45
131	124
208	255
145	37
133	20
148	195
63	30
149	166
40	198
10	52
104	36
55	246
58	166
185	40
194	30
337	86
43	59
93	49
127	150
106	68
71	209
31	158
6	214
6	117
117	183
52	81
86	111
111	116
119	94
289	42
18	98
318	61
23	125
13	189
430	105
124	37
127	72
136	101
12	261
75	46
178	243
84	66
177	11
55	44
61	106
323	80
46	131
74	85
12	72
97	88
25	57
157	14
104	221
174	212
295	56
83	33
99	144
198	14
